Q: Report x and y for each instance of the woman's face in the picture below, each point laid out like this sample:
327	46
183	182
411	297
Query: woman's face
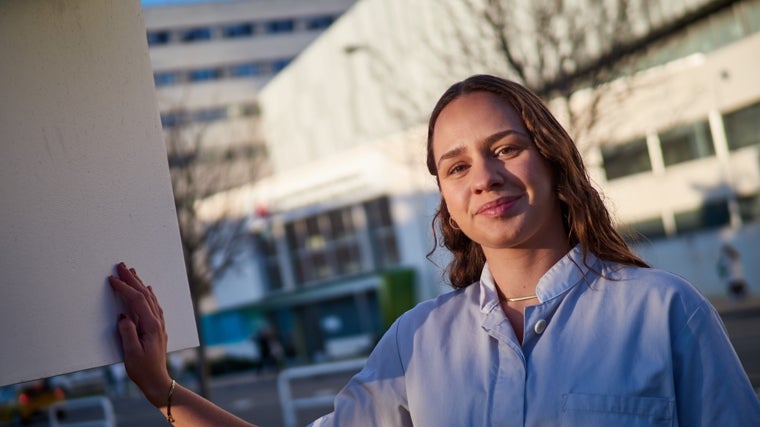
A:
496	185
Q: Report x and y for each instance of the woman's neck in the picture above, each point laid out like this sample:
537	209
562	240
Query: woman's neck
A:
517	271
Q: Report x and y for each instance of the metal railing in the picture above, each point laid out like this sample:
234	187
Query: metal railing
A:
290	404
88	406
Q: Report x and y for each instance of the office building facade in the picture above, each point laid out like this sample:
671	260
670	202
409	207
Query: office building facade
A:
673	145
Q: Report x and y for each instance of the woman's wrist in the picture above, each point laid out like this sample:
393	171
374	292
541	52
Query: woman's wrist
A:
158	394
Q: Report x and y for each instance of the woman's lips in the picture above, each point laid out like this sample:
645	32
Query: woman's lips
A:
498	207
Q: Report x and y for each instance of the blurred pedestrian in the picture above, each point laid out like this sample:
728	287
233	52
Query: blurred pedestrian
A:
272	353
553	320
731	272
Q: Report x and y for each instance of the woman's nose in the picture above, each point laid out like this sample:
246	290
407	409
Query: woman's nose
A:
486	175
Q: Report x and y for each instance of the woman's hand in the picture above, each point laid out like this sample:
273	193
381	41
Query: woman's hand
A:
143	335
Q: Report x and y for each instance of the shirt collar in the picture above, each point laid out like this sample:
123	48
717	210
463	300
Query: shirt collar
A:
563	275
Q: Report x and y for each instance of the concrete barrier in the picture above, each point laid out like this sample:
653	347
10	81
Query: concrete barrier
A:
94	411
290	404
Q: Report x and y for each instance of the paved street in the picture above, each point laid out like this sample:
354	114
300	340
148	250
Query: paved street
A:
254	398
249	396
742	322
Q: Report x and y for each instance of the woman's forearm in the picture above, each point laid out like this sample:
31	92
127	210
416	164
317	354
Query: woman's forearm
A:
190	409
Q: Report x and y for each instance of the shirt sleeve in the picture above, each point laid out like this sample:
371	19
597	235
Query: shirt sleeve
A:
712	388
376	396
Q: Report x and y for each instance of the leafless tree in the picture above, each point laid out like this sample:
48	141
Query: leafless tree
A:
201	167
560	47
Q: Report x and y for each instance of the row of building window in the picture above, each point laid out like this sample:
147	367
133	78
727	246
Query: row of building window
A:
734	23
683	143
231	71
218	155
330	245
711	214
238	30
178	118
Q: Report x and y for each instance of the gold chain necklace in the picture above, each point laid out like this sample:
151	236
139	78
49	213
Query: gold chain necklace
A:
516	299
503	297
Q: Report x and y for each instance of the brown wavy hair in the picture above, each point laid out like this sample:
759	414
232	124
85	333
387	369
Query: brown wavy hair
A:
584	215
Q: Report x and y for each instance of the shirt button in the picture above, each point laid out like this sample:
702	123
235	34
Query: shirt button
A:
540	326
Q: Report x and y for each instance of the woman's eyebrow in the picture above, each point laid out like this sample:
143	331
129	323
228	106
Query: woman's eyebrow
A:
503	134
449	154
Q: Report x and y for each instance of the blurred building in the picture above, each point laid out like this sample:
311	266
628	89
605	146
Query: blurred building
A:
209	62
662	96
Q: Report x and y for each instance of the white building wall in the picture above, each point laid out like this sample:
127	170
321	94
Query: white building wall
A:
688	90
379	70
695	257
232	94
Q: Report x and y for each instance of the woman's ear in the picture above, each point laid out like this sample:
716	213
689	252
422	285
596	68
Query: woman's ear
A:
560	194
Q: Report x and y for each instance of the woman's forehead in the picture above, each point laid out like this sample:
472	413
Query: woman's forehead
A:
473	116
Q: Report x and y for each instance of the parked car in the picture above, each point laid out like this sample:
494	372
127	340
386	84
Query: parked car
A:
88	382
33	399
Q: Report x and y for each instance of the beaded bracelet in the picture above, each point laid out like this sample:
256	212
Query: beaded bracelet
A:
169	403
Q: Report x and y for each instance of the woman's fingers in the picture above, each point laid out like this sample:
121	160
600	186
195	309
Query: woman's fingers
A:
129	277
143	334
130	341
138	306
158	306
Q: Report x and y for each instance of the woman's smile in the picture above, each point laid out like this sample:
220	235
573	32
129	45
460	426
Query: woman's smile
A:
499	207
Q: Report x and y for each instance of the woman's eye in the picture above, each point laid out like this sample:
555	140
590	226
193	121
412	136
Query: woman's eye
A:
505	151
457	169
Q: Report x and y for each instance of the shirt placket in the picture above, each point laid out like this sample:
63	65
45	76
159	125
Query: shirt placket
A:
510	376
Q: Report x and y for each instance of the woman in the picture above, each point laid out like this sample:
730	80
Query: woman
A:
554	321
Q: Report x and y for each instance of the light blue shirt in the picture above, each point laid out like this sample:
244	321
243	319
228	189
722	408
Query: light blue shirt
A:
627	347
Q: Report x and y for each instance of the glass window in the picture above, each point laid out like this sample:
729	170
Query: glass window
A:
341	223
684	143
279	65
210	114
244	29
165	78
329	245
280	26
196	34
749	208
743	127
293	233
205	74
156	38
250	110
266	247
648	229
348	258
245	70
171	119
626	159
710	215
320	266
319	22
382	233
751	14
